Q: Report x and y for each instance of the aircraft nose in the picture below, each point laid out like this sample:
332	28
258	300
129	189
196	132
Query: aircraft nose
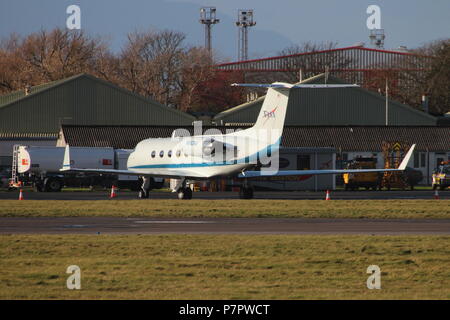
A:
131	159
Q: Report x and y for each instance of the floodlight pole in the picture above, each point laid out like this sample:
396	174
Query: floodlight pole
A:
208	18
245	20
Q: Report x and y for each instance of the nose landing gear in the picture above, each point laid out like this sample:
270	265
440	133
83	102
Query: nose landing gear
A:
145	188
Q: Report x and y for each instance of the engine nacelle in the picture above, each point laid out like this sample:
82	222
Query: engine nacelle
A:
209	148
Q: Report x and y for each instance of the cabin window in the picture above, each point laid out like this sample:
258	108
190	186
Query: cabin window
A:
178	153
161	154
153	154
169	154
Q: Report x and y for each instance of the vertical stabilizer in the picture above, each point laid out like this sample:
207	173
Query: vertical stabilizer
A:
270	121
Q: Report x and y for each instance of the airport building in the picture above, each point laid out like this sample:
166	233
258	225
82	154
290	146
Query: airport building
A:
356	64
34	116
339	124
331	107
334	142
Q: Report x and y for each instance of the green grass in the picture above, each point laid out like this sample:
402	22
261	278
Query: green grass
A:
439	209
224	267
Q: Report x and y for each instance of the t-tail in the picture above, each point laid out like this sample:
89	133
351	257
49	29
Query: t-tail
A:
270	122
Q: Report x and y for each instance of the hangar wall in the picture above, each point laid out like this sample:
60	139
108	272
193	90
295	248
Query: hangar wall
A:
350	106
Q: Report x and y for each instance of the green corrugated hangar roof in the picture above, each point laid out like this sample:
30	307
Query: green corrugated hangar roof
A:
83	100
332	107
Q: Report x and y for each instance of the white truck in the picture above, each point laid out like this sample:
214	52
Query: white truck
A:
40	167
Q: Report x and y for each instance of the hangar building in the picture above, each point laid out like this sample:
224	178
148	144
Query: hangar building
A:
345	142
93	112
329	107
34	116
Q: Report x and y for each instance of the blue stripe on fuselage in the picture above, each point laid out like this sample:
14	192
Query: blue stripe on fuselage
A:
209	164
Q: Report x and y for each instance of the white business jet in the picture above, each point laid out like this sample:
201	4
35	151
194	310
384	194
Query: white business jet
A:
206	156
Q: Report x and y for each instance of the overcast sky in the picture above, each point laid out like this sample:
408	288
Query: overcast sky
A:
279	23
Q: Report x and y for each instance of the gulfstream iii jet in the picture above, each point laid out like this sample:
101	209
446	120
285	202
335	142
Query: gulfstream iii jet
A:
213	154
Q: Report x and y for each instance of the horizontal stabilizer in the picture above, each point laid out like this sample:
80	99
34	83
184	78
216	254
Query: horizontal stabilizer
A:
294	86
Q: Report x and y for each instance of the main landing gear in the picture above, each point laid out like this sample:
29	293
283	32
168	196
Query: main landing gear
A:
246	191
184	192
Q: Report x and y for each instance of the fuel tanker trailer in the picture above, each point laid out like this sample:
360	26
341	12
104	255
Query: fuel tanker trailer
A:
40	166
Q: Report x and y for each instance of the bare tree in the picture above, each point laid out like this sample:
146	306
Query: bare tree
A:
438	77
216	93
155	63
196	69
425	72
151	62
13	74
47	56
60	53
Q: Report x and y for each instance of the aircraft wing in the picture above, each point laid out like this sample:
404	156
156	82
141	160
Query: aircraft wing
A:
160	174
254	174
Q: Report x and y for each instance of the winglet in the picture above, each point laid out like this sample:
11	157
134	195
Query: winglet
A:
66	162
405	161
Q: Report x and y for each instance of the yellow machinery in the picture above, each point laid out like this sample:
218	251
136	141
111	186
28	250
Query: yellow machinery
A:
393	153
368	180
441	176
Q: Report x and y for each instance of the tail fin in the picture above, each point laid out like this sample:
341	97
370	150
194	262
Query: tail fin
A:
270	122
273	111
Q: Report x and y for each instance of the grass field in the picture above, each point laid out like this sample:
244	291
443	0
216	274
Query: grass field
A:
231	208
224	267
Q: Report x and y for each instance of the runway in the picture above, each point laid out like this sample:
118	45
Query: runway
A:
113	225
285	195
